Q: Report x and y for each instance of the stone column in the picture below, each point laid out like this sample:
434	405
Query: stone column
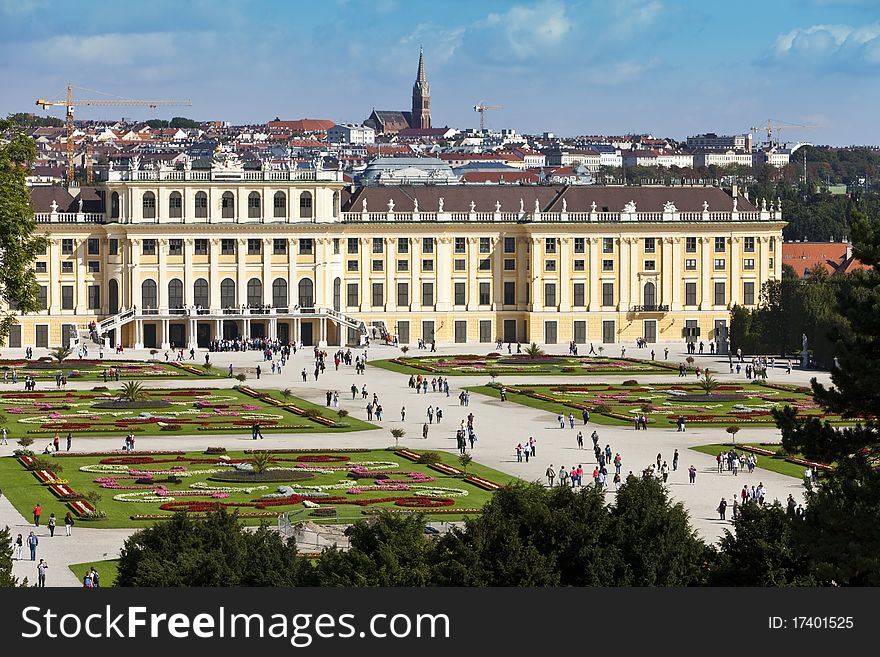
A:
54	269
564	275
162	278
415	298
134	276
497	296
763	255
292	286
365	252
667	281
81	306
536	299
165	331
443	274
390	270
595	302
472	295
675	284
734	271
188	251
624	276
240	274
214	273
267	269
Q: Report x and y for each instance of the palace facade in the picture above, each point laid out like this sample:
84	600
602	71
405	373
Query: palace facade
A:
181	257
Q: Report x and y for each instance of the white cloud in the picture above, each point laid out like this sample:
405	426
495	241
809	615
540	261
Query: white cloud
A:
530	30
629	17
830	45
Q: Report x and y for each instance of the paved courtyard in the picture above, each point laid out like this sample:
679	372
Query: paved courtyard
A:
498	425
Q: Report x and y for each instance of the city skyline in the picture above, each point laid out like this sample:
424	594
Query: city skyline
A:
641	66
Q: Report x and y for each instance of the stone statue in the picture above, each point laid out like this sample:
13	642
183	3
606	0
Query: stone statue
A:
630	207
522	207
79	205
764	205
136	163
779	204
593	206
54	206
803	341
473	205
364	204
705	206
497	206
734	203
537	207
391	205
564	205
669	206
416	205
440	204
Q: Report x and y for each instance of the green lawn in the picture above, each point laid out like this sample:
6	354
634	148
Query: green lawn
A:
665	402
40	415
106	570
24	490
774	464
76	369
469	365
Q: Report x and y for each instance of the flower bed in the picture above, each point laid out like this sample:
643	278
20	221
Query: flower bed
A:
408	454
485	484
446	469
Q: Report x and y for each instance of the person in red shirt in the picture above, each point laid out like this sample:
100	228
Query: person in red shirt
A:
37	511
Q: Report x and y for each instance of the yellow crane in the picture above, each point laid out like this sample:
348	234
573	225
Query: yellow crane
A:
482	108
70	103
776	127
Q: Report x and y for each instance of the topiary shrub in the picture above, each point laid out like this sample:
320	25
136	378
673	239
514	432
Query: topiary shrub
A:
170	427
568	370
311	413
241	377
602	408
527	391
630	382
100	389
426	458
342	412
215	450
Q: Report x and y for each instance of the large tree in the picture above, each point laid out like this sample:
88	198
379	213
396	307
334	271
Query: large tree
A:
19	242
6	577
215	551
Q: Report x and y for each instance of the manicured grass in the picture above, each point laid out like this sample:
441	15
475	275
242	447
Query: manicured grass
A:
774	464
506	365
752	408
41	415
107	571
89	369
24	490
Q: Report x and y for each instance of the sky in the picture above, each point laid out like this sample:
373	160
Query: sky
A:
666	67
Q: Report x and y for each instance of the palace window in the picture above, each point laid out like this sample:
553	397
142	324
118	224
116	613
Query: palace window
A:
427	245
607	245
175	246
579	245
201	246
254	246
485	245
306	246
227	246
149	247
279	246
650	245
690	244
749	244
720	243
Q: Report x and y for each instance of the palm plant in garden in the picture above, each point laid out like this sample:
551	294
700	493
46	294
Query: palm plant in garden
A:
60	353
398	434
709	384
261	461
287	394
533	351
132	391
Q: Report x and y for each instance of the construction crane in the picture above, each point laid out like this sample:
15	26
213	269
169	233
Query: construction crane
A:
776	126
70	103
482	108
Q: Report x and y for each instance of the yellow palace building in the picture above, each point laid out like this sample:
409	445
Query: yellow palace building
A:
180	257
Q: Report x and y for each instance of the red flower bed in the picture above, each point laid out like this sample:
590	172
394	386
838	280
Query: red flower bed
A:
322	458
446	469
407	454
424	502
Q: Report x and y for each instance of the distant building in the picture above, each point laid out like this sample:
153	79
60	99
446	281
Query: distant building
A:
722	159
407	171
392	122
351	133
712	142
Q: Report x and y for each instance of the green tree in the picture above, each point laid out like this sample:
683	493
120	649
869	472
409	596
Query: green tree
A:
464	460
19	240
389	550
216	551
60	353
7	579
763	550
397	434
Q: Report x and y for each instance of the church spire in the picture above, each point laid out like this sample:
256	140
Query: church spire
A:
421	97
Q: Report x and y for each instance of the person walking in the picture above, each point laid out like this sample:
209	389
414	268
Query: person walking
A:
692	474
68	523
37	511
402	413
41	574
425	431
580	440
519	451
69	440
722	508
19	544
550	474
664	471
616	481
675	461
4	433
51	525
585	415
33	542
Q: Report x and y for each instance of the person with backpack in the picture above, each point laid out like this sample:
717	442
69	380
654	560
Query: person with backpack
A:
550	474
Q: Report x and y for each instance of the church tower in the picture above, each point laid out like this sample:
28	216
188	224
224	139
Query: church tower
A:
421	98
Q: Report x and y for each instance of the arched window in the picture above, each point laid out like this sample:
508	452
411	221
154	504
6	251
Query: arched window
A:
254	205
255	292
279	293
175	293
113	296
175	205
227	293
305	205
280	204
337	294
306	293
149	294
149	205
201	205
201	297
114	205
227	205
335	204
650	294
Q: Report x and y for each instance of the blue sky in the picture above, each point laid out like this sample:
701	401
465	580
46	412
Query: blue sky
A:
669	67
